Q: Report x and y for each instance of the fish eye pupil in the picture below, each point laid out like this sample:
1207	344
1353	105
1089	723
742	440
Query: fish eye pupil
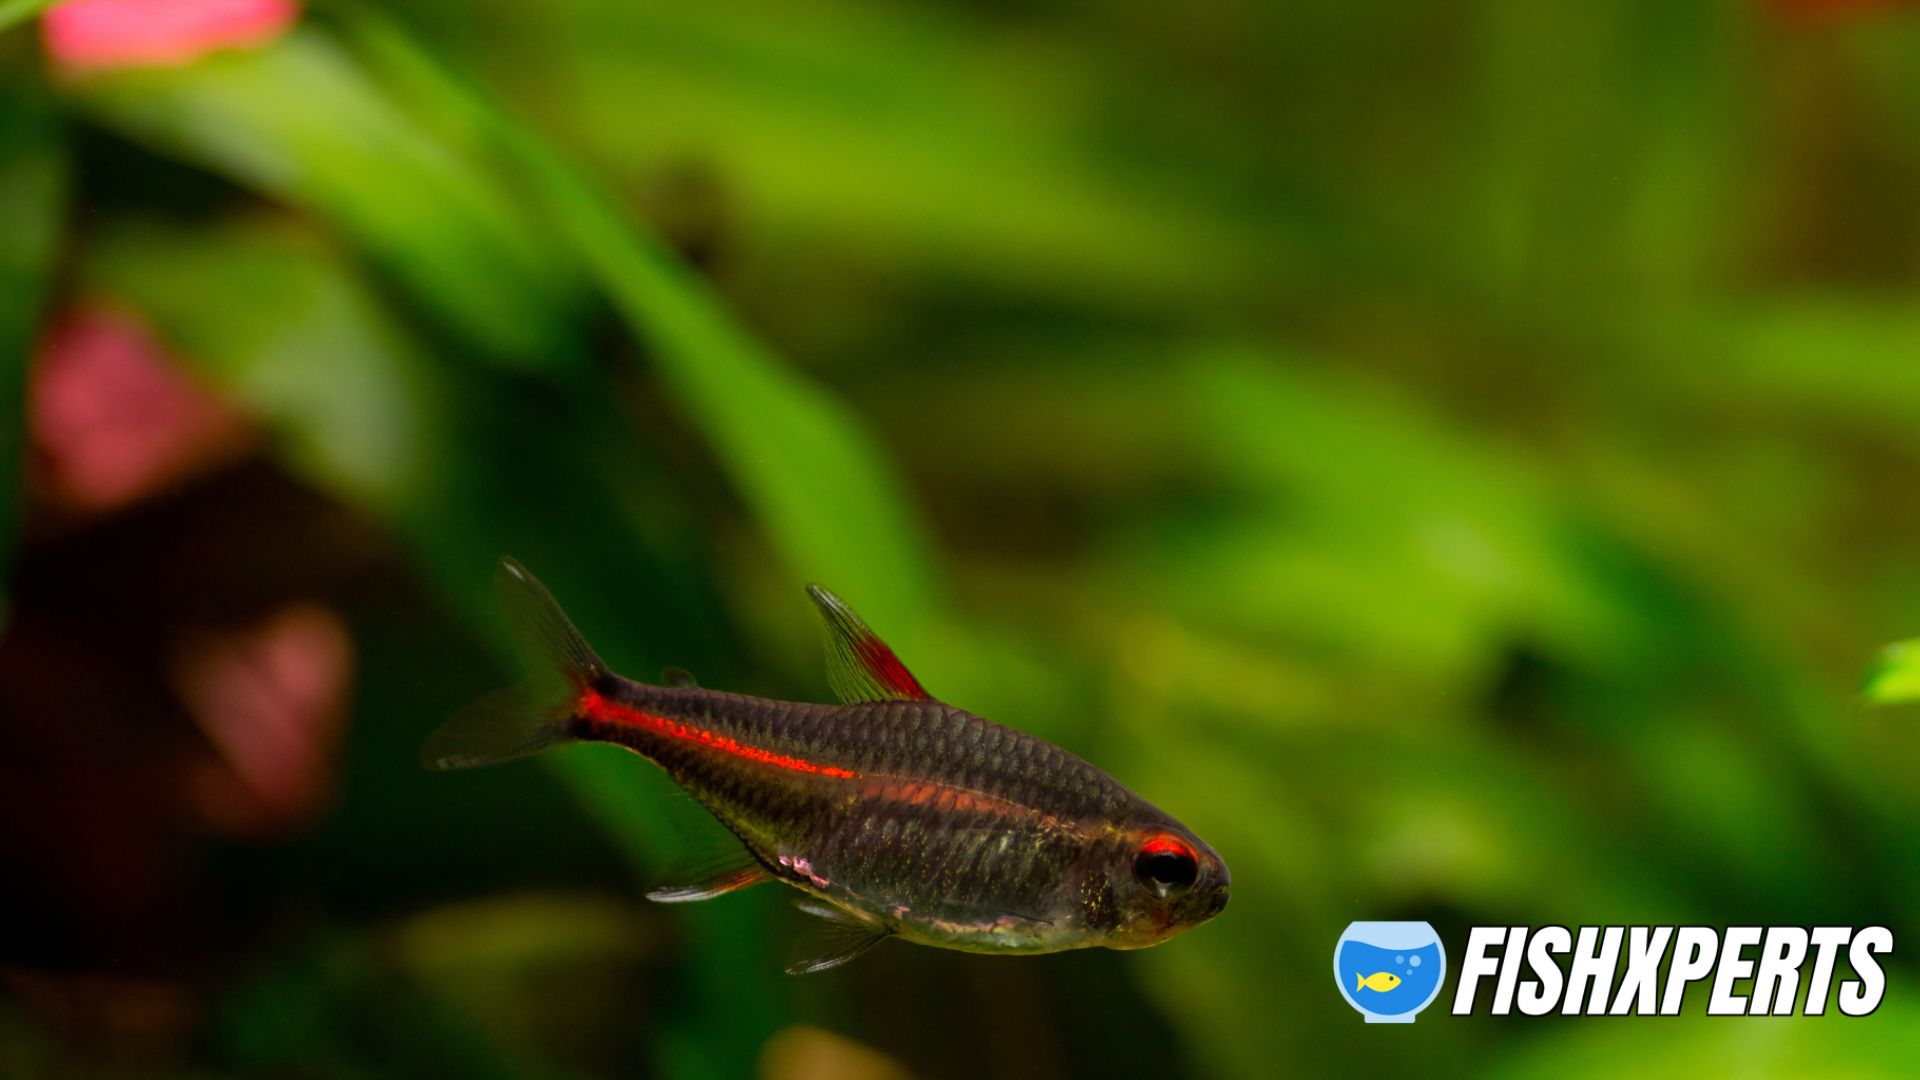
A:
1166	866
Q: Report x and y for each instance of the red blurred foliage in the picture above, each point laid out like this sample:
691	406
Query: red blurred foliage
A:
272	698
113	419
173	673
166	675
94	34
127	1021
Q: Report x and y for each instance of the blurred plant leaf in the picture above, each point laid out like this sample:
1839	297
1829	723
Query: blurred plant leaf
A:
1355	521
264	310
1895	678
820	485
341	1002
432	218
531	970
1024	186
269	312
1693	1044
33	178
814	477
19	11
1546	226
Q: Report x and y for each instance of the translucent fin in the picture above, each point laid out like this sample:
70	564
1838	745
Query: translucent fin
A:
679	678
508	724
549	645
706	878
839	937
710	861
860	667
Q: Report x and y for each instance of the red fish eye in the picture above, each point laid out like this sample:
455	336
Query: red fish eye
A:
1166	865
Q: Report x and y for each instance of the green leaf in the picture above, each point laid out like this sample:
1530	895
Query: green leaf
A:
812	474
1042	197
376	169
32	199
1895	678
432	218
13	12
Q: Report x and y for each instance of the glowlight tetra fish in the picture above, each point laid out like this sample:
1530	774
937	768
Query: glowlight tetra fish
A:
899	815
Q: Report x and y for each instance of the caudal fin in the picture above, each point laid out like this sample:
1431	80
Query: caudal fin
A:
513	723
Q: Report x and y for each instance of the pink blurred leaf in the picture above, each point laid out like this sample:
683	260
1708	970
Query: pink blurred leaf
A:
272	698
93	34
113	419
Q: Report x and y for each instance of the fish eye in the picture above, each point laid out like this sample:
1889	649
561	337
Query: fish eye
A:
1166	865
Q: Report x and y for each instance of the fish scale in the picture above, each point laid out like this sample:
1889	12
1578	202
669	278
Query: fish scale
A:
905	815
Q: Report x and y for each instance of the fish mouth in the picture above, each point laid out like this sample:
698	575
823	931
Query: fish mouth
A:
1217	903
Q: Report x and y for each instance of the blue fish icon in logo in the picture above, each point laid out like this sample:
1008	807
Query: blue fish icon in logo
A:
1389	971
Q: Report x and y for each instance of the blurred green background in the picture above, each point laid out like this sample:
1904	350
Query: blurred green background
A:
1460	458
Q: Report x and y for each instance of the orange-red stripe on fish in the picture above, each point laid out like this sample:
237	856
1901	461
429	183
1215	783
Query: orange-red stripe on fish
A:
946	797
596	706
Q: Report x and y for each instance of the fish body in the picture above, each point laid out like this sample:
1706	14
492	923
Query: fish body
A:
898	814
1381	981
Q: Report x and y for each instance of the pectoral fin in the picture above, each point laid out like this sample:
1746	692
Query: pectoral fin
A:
837	938
706	877
711	859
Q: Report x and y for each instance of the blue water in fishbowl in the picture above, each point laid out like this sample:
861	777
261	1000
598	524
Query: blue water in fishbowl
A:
1409	951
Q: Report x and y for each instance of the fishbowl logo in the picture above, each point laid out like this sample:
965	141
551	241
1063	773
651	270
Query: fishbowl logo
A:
1389	971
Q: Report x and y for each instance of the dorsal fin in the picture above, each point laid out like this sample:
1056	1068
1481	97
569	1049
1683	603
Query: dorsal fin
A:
860	667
